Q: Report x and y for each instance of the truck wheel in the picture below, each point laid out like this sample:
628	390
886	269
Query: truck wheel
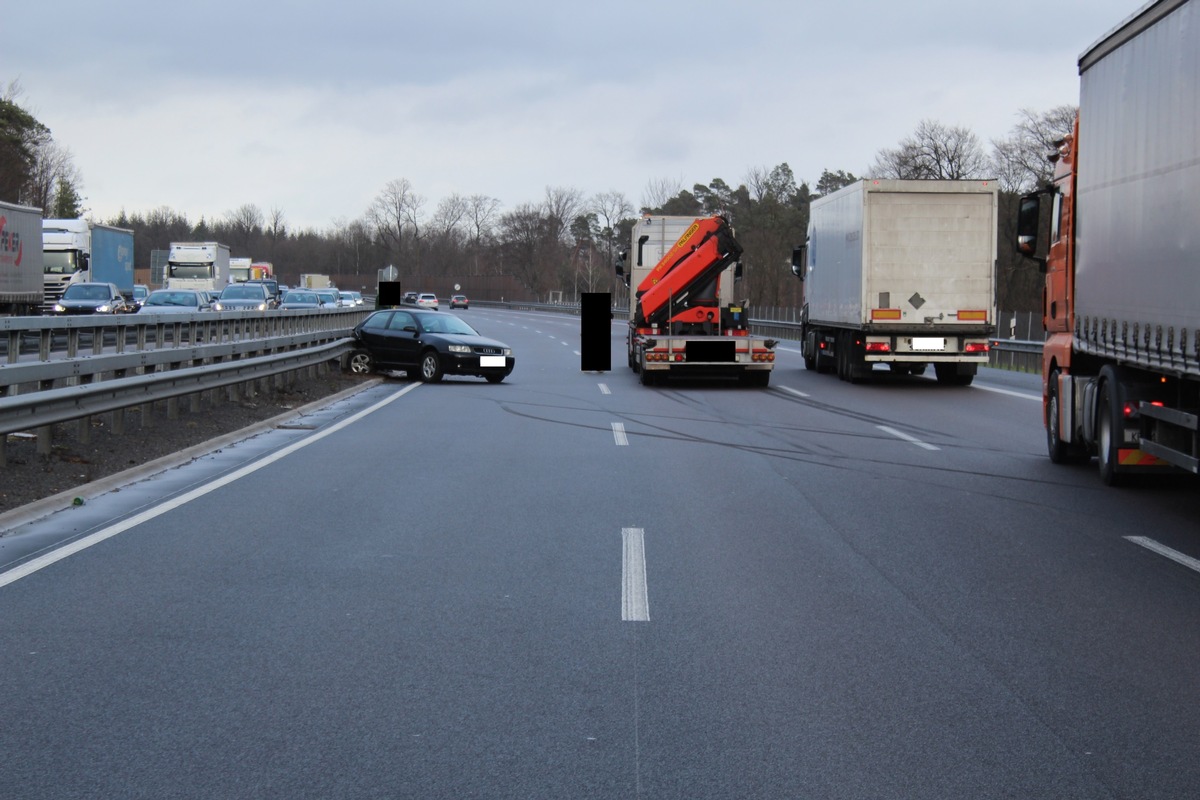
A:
431	367
649	377
1109	430
948	375
825	362
810	362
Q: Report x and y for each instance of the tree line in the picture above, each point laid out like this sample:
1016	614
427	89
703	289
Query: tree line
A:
565	243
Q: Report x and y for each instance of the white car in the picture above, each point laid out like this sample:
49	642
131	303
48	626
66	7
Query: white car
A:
426	300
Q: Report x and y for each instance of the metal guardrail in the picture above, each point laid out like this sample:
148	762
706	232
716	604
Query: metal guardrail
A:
64	369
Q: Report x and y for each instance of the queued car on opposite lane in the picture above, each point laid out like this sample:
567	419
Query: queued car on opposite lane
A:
300	299
427	345
174	301
243	297
91	298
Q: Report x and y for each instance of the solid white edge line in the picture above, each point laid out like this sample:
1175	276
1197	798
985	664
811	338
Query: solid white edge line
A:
70	549
635	602
906	437
618	429
1009	392
796	392
1163	550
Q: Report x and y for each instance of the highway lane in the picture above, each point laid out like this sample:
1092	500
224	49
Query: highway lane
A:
428	602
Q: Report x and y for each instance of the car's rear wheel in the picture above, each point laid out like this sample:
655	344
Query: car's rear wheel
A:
493	378
361	362
431	367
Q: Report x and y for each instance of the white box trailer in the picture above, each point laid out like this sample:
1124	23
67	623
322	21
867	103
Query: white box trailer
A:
20	259
903	273
197	265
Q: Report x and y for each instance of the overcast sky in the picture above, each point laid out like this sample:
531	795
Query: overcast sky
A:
312	107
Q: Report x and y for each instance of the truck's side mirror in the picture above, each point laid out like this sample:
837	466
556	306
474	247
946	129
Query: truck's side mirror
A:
620	265
1029	220
800	261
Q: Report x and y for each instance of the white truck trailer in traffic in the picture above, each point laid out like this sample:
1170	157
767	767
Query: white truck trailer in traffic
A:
20	259
239	269
78	251
902	273
197	265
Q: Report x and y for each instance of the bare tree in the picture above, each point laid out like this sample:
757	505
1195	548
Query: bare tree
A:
393	215
276	227
933	151
610	209
1020	160
659	191
523	233
482	214
245	224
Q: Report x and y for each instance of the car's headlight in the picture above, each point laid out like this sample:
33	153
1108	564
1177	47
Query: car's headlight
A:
459	348
262	306
104	309
508	351
59	308
216	306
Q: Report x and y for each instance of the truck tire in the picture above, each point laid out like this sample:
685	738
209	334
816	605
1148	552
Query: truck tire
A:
948	375
757	378
1109	428
649	377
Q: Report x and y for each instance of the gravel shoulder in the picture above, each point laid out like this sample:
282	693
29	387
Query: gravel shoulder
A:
77	464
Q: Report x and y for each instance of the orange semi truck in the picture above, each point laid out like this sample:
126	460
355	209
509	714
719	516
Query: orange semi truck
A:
682	317
1121	363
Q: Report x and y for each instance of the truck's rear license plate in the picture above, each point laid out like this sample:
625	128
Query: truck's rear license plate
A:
491	361
928	343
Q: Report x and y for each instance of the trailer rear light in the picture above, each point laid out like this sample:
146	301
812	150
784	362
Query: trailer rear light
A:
972	316
885	313
879	347
762	356
976	347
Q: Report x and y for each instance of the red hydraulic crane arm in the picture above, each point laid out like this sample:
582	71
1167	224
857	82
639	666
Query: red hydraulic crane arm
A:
700	255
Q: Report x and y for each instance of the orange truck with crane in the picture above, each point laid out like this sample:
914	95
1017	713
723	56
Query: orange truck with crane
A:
1121	361
682	316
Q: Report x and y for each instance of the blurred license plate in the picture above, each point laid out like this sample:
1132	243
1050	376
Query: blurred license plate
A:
928	343
491	361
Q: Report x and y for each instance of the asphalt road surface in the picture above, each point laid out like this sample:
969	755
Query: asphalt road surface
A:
569	585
